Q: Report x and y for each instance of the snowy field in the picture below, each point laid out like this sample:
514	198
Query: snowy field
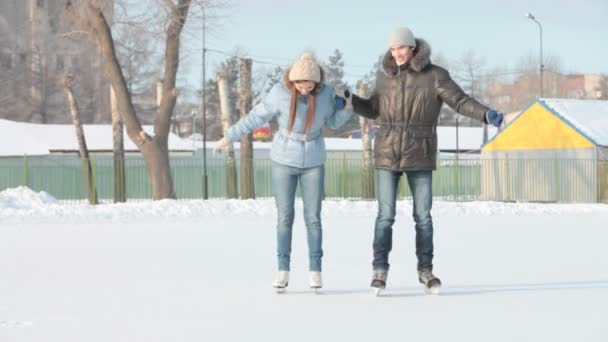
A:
201	271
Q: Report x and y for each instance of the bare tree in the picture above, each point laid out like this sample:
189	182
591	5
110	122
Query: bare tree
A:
273	77
226	111
153	148
40	52
335	69
118	151
214	126
135	50
247	185
82	144
441	60
603	88
468	72
528	81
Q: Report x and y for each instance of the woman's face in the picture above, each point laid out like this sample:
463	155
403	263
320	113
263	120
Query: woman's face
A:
304	87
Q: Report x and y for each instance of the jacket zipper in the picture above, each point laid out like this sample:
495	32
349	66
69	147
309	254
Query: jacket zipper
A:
403	127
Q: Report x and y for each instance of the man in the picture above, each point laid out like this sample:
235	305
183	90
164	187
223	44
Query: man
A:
406	103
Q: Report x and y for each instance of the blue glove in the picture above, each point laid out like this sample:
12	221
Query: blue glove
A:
340	102
493	117
342	98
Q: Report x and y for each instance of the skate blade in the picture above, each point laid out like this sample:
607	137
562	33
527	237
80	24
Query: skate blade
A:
281	289
435	290
378	291
315	290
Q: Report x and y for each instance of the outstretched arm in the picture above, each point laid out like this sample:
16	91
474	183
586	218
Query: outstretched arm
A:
259	115
368	108
456	98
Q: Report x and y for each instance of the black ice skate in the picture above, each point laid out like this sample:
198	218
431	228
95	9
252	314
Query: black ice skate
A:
431	283
379	281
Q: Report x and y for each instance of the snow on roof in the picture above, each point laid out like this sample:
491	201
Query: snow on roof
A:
39	139
17	141
589	117
42	139
469	138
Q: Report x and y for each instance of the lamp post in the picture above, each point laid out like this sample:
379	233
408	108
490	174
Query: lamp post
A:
531	17
204	112
193	130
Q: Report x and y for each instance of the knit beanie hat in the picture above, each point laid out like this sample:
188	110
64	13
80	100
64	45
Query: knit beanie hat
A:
401	36
305	68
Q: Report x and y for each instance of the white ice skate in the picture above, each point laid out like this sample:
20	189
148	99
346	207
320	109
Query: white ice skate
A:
315	281
281	281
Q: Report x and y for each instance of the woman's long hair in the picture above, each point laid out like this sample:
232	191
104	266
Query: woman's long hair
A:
310	113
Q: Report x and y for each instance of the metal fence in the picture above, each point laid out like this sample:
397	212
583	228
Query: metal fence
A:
546	180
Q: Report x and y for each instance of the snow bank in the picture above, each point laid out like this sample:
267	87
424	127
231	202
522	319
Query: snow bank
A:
22	205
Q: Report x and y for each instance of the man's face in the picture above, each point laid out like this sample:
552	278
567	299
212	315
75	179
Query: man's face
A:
402	53
304	87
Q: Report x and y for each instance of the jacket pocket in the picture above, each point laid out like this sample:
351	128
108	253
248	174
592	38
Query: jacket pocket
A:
424	137
422	132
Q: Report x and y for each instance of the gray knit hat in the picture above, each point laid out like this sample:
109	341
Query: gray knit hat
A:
306	68
401	36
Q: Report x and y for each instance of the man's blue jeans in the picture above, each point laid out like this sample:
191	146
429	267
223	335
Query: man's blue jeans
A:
420	183
312	183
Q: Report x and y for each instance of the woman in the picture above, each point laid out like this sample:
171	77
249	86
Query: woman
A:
303	104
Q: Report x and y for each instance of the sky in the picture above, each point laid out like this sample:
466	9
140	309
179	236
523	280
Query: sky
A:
199	270
277	31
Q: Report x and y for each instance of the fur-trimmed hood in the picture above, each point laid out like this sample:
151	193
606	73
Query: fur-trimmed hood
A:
422	58
289	84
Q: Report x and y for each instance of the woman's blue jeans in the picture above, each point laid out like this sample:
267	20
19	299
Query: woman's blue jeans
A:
312	183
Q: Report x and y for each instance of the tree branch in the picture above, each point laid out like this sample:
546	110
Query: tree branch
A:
177	20
102	32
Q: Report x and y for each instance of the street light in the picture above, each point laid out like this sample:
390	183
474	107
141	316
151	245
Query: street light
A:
531	17
204	111
193	131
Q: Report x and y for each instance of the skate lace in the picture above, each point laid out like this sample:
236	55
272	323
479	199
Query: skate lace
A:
380	275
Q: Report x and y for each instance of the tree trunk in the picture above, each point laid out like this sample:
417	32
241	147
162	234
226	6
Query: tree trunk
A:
247	184
154	149
82	144
226	114
367	184
118	149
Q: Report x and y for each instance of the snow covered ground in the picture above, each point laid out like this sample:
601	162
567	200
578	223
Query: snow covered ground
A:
201	271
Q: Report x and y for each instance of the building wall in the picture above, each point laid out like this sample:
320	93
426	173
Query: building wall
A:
565	176
33	33
592	86
538	128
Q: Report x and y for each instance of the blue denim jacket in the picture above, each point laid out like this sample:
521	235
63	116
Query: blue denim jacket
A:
293	148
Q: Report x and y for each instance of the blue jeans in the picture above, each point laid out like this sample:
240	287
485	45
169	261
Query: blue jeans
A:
312	182
420	183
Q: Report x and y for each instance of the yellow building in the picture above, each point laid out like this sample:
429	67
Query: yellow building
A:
556	150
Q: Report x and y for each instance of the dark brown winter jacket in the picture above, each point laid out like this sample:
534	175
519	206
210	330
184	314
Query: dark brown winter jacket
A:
406	104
